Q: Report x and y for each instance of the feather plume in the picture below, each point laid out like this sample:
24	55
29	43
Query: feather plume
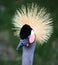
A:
37	18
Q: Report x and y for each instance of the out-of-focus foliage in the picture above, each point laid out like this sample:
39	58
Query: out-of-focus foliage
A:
47	54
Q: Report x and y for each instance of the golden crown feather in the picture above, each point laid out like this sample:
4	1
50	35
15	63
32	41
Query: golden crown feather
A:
37	18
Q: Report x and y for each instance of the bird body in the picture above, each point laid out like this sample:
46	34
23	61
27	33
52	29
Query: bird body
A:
28	19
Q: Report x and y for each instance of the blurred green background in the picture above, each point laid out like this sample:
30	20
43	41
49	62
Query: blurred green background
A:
47	54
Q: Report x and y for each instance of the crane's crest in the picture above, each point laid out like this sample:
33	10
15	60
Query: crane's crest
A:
37	18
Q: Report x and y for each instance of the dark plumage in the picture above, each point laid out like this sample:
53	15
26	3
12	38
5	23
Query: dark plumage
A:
25	31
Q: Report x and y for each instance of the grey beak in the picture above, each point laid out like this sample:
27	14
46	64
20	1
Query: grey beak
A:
22	43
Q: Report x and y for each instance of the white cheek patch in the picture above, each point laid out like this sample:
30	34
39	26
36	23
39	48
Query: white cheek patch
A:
32	37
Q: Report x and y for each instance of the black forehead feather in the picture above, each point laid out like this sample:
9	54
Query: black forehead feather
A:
25	31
